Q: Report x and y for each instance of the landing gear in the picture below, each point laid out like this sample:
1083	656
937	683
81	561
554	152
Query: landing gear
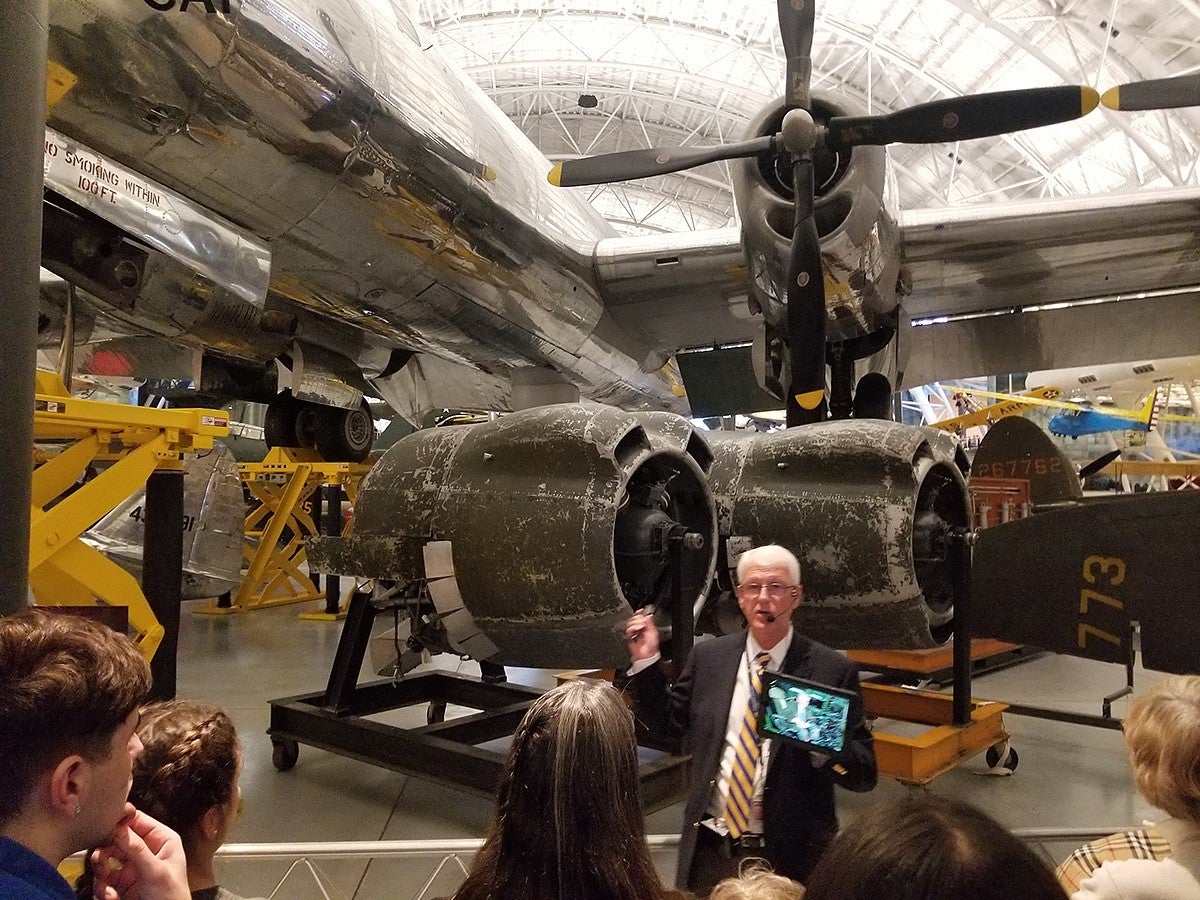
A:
339	435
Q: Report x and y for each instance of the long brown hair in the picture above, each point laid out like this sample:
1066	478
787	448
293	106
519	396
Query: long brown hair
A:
568	823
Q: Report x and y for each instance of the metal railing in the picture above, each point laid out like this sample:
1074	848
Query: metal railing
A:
307	858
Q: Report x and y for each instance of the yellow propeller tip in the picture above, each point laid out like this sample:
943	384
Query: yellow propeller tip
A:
1112	98
555	175
811	400
1089	99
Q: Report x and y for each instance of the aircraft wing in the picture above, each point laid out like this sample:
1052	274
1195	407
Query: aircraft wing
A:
681	290
1008	405
1009	287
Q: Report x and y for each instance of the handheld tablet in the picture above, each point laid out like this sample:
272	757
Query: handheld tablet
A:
813	715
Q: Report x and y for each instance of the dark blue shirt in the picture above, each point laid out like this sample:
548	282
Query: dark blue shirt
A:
26	876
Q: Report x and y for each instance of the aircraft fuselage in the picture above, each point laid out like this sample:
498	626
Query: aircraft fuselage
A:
393	196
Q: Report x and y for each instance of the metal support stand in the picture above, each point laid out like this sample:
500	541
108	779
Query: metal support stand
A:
162	571
1130	661
683	625
958	547
452	752
331	525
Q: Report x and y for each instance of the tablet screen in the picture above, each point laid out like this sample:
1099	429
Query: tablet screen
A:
814	715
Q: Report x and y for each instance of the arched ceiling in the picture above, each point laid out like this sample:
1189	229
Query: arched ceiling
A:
671	72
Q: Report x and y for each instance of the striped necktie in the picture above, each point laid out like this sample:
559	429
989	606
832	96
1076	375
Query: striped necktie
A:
746	756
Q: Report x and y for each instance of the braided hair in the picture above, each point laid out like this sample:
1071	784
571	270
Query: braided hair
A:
189	764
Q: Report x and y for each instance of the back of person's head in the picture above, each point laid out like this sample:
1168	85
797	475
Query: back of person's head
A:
66	685
568	823
756	881
188	768
1162	732
929	848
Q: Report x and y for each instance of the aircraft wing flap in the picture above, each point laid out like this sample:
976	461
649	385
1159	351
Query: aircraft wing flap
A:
990	257
679	290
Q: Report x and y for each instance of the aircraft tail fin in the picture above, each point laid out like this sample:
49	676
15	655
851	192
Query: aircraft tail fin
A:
1075	580
1156	405
1018	448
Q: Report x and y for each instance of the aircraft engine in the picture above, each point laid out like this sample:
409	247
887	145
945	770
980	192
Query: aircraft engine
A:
538	533
866	506
855	212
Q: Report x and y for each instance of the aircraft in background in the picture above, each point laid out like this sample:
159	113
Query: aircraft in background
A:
1096	420
307	196
1122	383
991	413
1081	418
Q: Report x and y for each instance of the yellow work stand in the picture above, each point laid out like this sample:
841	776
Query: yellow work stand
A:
284	484
71	435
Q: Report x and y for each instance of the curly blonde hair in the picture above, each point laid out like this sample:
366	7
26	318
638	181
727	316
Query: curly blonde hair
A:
756	881
1162	732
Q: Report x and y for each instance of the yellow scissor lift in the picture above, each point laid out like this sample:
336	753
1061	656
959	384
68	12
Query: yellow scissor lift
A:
71	435
285	484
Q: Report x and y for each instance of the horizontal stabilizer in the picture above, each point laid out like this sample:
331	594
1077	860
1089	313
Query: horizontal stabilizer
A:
1073	580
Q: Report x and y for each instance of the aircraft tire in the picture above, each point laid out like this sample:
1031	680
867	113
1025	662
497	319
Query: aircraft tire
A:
279	427
345	435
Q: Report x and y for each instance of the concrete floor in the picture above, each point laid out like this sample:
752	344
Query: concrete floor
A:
1069	776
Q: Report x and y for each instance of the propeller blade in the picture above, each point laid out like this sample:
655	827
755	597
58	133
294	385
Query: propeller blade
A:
805	307
630	164
797	21
1097	464
1159	93
965	118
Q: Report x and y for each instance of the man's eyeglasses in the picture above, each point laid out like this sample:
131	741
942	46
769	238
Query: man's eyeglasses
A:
751	589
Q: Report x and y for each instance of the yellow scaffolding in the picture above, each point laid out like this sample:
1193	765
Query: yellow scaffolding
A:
284	484
72	434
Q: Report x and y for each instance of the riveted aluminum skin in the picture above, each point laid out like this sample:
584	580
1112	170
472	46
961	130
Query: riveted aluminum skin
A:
848	498
531	505
214	517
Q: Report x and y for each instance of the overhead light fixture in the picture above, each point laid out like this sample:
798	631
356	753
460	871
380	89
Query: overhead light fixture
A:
588	101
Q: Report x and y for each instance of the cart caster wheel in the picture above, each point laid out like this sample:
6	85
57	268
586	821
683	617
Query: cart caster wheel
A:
284	753
1002	756
436	713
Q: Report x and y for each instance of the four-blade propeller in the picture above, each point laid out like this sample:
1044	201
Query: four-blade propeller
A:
952	119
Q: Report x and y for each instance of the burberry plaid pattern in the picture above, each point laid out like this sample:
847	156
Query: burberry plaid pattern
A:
1145	843
746	756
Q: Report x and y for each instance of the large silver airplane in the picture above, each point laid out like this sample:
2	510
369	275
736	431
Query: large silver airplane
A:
300	193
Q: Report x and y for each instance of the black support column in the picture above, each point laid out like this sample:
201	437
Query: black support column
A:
162	571
23	32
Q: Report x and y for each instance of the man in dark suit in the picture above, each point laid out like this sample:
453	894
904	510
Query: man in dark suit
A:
770	799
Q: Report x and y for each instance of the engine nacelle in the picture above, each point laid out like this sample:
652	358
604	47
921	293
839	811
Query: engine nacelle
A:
866	507
855	210
528	540
540	532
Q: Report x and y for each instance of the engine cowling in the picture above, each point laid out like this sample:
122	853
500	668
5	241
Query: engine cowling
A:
855	211
866	507
529	540
538	533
